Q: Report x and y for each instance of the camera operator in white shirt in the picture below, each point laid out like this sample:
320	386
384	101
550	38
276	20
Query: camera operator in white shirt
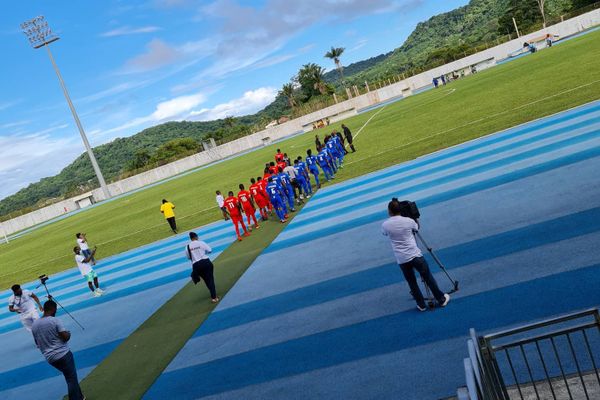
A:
401	230
23	303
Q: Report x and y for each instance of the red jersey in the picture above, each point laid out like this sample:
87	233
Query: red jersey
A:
262	184
273	170
278	157
232	205
281	165
265	177
256	190
246	199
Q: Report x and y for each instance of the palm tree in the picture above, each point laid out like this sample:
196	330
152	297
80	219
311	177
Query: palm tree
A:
335	54
229	121
287	91
310	77
541	5
317	75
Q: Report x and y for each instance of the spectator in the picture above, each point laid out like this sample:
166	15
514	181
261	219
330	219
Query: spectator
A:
221	203
202	268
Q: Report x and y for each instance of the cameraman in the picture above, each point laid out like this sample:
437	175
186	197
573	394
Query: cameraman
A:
22	303
51	337
401	230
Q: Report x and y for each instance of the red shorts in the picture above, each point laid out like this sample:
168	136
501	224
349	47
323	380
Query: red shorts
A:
261	202
249	210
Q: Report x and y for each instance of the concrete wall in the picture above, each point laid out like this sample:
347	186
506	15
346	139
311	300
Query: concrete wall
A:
304	123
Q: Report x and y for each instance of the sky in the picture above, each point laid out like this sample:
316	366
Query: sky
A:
129	65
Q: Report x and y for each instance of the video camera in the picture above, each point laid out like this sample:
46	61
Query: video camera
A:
43	278
408	209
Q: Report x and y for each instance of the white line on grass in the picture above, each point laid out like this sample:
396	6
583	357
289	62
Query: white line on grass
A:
479	120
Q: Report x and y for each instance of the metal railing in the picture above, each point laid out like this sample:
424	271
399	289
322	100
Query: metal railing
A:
551	359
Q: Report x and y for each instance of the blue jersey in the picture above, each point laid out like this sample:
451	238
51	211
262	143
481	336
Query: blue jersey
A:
276	179
285	179
300	172
323	158
331	146
311	160
273	190
302	167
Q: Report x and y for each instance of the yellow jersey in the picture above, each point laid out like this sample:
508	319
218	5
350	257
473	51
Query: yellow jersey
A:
167	209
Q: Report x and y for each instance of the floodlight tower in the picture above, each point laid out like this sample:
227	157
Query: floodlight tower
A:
40	35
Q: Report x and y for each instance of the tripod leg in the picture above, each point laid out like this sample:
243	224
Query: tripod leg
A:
438	262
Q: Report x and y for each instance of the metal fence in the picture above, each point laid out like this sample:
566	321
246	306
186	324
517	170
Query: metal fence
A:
553	359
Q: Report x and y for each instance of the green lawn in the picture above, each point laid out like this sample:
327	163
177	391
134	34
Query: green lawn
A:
532	87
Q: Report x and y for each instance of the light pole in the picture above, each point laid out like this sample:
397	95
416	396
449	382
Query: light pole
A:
40	35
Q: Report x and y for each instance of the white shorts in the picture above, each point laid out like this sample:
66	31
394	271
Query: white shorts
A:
27	319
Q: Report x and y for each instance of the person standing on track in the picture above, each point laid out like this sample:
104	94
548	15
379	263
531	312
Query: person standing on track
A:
51	338
258	194
275	192
401	230
221	203
167	210
235	212
202	268
245	199
349	137
23	303
86	270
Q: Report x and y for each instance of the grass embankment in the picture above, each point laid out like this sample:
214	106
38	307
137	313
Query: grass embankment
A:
136	363
532	87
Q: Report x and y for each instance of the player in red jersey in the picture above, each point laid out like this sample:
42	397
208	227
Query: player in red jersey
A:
272	168
282	165
258	194
245	198
262	183
234	208
278	156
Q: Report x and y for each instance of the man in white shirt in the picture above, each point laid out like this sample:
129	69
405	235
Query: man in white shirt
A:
197	252
221	203
23	303
401	230
84	246
86	270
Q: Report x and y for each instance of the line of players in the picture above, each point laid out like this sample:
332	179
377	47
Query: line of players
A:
284	183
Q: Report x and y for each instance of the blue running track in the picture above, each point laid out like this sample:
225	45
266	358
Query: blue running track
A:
137	283
325	313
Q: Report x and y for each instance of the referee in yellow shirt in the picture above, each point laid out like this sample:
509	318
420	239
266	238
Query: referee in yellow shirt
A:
167	210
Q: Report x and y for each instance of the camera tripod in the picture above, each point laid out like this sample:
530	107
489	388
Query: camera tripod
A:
428	295
50	297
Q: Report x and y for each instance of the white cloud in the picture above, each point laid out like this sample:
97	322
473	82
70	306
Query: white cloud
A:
251	102
28	158
158	54
15	124
174	109
127	30
358	45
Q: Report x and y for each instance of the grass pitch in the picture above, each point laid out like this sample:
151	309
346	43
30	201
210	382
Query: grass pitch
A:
538	85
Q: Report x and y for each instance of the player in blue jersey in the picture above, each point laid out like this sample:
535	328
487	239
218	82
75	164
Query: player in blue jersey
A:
340	147
275	193
323	160
301	178
311	161
304	169
288	188
332	148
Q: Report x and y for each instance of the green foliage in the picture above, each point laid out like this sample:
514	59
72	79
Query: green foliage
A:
175	148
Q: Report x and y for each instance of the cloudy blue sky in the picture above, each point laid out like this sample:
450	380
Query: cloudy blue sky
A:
133	64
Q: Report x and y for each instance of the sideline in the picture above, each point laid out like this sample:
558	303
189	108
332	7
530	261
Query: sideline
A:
489	117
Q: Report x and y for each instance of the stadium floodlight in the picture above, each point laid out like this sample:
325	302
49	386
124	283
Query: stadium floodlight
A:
40	35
